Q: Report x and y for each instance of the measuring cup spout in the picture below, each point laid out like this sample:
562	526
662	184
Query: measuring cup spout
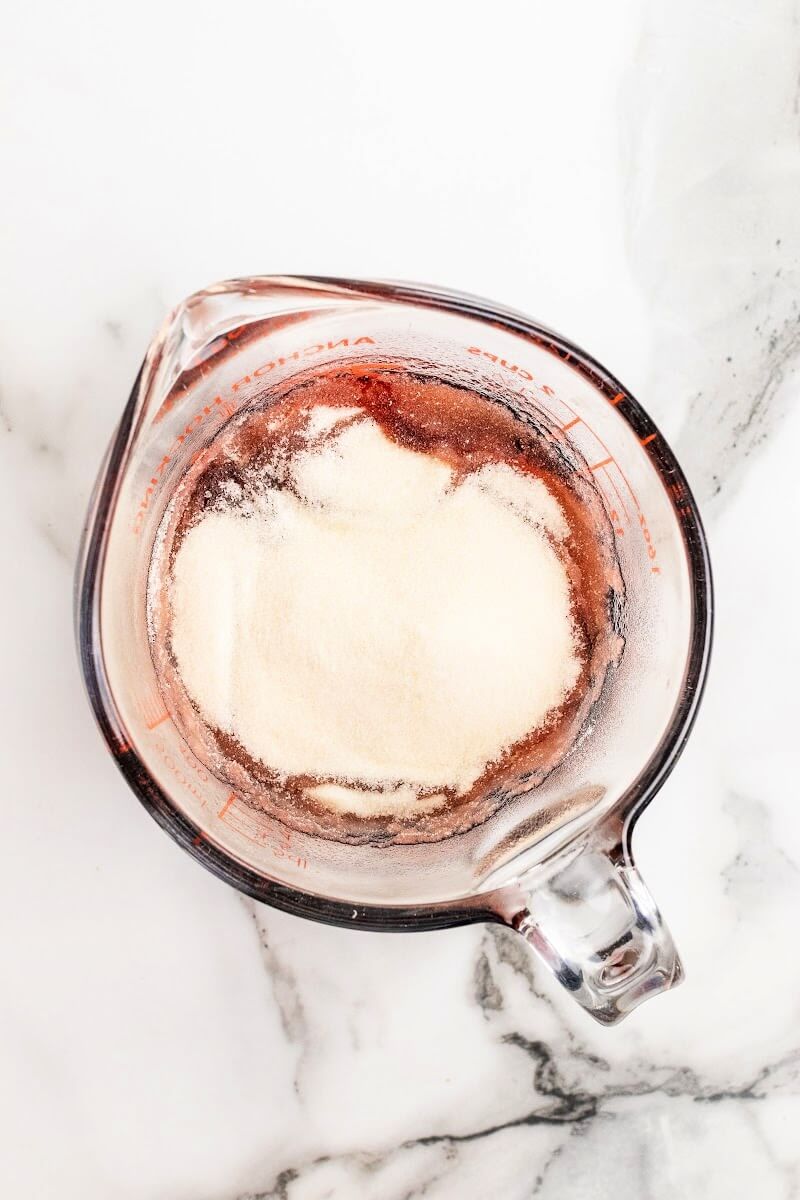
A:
590	917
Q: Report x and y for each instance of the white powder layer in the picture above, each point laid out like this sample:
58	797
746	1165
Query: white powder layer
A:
383	625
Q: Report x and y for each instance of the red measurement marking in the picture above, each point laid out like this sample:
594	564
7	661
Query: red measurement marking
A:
646	441
628	486
514	368
609	502
227	407
152	710
362	367
610	479
620	396
651	550
226	805
610	458
569	424
546	408
617	399
278	845
597	438
618	530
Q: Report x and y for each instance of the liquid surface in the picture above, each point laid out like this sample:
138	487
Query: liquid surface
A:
380	604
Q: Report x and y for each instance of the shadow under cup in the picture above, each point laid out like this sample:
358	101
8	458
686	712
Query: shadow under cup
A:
228	349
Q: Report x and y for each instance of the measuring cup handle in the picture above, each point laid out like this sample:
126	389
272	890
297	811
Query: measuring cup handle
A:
596	926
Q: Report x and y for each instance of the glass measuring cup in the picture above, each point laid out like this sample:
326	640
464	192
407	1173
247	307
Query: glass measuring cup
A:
554	861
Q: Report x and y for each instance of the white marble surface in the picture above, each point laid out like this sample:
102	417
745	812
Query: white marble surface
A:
630	175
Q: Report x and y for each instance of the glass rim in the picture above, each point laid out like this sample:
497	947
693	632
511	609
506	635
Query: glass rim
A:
401	917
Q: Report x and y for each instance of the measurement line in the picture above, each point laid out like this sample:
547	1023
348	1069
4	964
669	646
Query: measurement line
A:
628	486
569	408
646	441
151	725
549	410
226	805
360	367
619	468
569	424
616	400
610	478
604	463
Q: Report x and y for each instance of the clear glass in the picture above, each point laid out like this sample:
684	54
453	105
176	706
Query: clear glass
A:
554	862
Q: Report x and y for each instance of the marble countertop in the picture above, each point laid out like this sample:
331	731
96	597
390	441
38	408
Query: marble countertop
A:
629	174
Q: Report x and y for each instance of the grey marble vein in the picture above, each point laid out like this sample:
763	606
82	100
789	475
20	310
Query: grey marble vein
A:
287	991
590	1098
760	856
562	1107
715	237
631	174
